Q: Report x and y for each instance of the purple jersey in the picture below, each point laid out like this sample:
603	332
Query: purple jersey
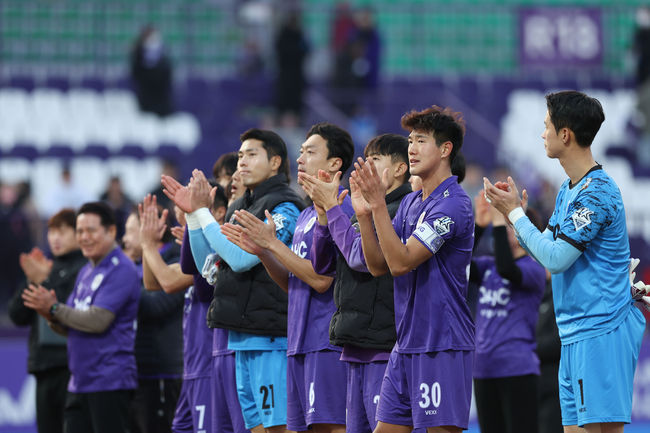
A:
197	337
106	361
431	313
220	342
309	312
506	316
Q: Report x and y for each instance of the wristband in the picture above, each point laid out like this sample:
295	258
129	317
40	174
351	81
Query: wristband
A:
516	214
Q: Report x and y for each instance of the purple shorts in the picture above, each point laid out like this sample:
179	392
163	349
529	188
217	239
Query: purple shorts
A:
427	389
193	407
364	385
315	389
226	411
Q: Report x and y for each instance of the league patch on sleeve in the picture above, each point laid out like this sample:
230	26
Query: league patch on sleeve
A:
429	237
279	219
582	218
443	225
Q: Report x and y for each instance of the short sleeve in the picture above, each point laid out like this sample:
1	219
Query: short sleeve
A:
116	289
587	214
436	227
285	215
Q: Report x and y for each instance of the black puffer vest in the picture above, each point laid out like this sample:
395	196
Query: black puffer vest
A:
365	312
250	301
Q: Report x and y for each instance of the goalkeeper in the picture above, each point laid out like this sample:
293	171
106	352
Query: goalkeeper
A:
586	249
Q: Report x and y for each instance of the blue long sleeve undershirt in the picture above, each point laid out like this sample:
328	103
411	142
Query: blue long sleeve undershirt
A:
555	255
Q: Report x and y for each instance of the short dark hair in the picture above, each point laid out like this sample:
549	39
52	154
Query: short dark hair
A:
458	166
273	144
580	113
64	217
220	197
393	145
339	142
444	123
101	209
226	162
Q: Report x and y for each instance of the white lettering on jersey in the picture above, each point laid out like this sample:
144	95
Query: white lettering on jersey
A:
300	250
500	296
582	218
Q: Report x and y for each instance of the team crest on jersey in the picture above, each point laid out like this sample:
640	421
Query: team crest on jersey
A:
581	218
420	219
446	193
443	225
309	224
279	219
96	282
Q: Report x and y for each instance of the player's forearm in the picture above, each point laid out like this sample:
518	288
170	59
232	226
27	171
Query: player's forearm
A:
169	278
374	257
149	281
323	251
395	252
346	238
276	270
555	255
94	320
301	268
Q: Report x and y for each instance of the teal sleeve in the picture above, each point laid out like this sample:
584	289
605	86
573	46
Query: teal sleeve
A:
200	247
555	255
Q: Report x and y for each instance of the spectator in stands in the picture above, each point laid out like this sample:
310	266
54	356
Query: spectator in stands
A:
224	167
65	194
100	320
291	48
159	338
151	72
642	50
48	360
119	201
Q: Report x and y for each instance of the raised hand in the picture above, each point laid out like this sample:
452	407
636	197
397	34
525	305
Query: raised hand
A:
482	210
152	225
373	188
35	265
359	204
323	191
38	298
176	192
235	234
258	231
504	200
200	191
178	232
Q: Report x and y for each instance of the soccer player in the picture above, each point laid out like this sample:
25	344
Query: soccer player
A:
506	367
246	301
99	318
363	323
586	249
315	376
427	248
